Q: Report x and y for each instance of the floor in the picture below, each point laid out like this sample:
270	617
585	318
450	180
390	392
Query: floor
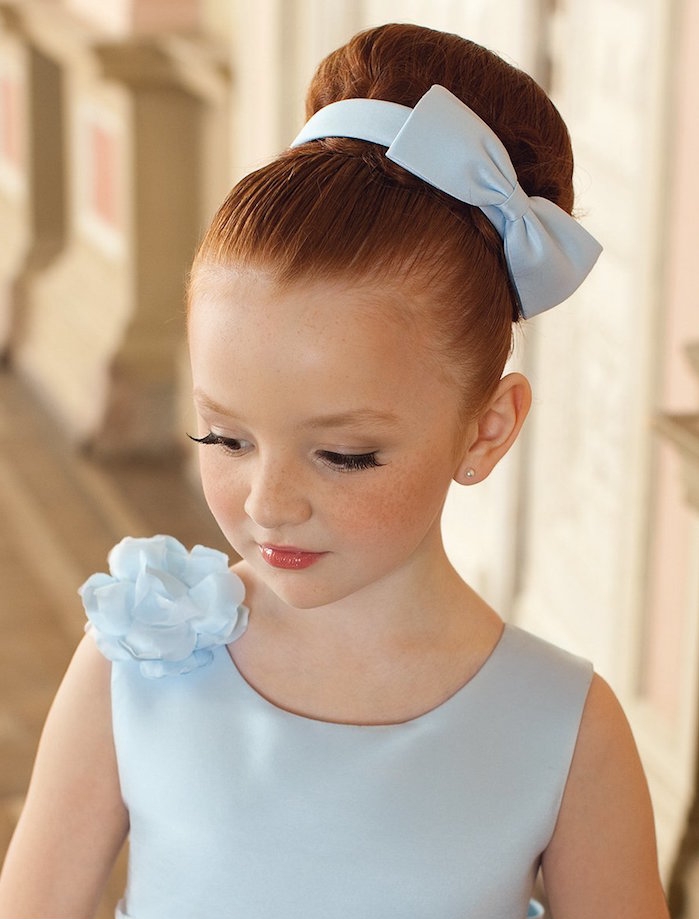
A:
60	513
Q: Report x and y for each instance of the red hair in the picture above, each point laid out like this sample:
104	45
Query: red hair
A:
337	208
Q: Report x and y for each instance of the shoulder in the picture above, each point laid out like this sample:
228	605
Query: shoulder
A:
602	856
605	754
605	733
87	678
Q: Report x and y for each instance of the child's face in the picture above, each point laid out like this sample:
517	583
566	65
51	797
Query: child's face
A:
338	437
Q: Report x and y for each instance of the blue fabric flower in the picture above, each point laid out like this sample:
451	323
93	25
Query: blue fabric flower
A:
164	606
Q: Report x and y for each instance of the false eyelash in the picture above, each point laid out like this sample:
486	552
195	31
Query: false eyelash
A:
350	462
206	439
344	462
215	439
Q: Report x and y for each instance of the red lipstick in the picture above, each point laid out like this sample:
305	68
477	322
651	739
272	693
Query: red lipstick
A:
289	557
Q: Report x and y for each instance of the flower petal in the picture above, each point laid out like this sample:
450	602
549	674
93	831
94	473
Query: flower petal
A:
108	607
110	647
204	561
217	597
172	643
157	669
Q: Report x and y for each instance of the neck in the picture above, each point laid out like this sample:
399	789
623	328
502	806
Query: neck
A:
386	653
418	605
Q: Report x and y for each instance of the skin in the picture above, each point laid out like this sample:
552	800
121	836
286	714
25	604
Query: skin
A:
291	381
73	823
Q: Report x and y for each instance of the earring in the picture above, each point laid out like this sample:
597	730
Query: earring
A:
470	473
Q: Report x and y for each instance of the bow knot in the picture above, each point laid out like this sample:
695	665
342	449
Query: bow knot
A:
444	143
516	206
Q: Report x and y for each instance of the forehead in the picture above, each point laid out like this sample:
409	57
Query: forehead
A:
236	286
331	335
255	303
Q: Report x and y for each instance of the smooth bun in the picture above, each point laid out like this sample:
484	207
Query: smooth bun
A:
400	62
337	208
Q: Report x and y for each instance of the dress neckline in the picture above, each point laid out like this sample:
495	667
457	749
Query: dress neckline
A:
262	700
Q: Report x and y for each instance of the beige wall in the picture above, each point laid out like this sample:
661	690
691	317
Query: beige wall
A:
15	221
677	388
670	679
139	152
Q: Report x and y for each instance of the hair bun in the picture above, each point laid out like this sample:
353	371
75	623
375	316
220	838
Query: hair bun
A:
400	62
338	208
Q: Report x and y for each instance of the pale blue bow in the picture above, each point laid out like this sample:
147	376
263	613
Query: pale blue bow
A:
445	143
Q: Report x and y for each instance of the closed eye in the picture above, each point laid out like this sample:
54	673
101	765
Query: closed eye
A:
231	444
349	462
345	462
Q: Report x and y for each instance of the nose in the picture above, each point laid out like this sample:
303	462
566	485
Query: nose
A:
276	497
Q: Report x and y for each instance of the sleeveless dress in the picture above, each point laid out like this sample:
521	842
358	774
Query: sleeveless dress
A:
239	808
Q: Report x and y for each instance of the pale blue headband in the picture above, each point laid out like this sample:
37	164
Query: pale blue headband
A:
447	145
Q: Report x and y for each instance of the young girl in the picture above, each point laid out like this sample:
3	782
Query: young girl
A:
372	741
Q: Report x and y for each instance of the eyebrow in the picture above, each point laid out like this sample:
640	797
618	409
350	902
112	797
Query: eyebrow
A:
352	417
355	417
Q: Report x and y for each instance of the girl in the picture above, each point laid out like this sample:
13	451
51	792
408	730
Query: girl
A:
372	742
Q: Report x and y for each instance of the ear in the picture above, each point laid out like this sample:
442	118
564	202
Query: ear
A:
495	430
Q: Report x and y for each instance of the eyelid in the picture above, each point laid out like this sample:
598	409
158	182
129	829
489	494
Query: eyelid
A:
212	439
350	462
209	438
335	459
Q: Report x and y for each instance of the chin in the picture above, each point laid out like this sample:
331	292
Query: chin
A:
303	590
298	598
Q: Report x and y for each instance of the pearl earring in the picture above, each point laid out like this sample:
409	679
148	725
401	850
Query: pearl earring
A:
470	473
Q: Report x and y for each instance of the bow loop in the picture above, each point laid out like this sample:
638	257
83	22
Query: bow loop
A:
475	169
444	143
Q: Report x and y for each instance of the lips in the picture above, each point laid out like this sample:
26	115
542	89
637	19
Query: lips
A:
289	557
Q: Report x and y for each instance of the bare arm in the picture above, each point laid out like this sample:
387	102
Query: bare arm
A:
602	860
74	821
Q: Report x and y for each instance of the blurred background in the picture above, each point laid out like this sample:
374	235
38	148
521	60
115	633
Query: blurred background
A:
122	125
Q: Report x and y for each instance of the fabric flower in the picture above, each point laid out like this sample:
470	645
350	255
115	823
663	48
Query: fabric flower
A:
164	606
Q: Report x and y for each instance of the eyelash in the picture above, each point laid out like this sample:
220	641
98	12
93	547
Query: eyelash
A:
231	444
350	462
344	462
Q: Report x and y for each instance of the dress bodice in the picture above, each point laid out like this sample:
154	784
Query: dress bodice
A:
241	809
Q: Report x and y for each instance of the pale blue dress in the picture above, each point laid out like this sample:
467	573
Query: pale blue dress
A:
239	808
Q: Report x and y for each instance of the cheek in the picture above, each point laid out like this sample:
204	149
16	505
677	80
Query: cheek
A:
396	505
223	491
402	505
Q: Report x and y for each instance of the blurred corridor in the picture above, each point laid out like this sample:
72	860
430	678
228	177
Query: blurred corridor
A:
60	516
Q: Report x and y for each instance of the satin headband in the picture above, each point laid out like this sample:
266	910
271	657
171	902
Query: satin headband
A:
444	143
